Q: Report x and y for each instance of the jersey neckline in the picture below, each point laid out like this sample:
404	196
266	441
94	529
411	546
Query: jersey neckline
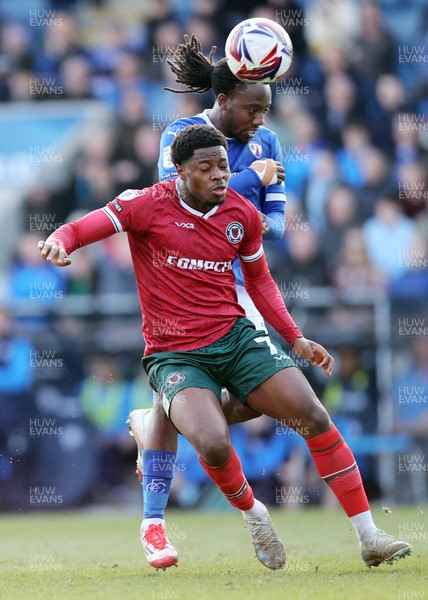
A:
192	210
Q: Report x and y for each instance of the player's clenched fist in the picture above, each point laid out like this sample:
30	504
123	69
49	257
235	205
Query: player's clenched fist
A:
265	224
315	353
53	253
270	171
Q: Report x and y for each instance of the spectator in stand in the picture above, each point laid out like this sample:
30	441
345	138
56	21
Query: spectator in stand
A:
17	86
15	57
341	213
119	39
354	270
341	106
30	280
388	236
93	177
164	38
374	50
412	283
75	78
410	391
405	137
410	394
355	143
324	176
131	116
141	166
104	401
43	208
60	40
305	142
351	396
303	266
114	270
377	181
390	99
127	76
412	183
332	22
82	275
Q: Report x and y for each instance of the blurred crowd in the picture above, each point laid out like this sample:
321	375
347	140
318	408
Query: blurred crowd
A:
351	117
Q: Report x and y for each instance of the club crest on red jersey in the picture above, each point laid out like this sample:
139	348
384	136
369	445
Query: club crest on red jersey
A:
256	148
131	194
234	232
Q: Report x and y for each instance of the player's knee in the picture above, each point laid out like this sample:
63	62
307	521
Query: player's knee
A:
214	450
317	421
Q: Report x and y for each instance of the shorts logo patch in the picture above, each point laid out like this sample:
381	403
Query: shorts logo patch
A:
234	232
174	379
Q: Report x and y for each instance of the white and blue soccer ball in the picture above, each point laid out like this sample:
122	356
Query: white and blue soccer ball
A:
258	50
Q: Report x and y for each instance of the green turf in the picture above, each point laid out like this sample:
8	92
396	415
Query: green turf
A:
98	556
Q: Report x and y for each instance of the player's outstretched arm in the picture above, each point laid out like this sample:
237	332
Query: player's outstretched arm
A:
94	226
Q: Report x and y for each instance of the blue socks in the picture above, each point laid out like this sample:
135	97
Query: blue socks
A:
158	471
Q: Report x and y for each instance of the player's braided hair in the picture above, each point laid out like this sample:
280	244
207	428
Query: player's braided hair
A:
192	138
199	73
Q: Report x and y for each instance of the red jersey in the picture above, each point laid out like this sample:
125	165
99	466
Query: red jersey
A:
183	262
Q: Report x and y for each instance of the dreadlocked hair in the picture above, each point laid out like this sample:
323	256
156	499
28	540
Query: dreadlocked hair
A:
199	73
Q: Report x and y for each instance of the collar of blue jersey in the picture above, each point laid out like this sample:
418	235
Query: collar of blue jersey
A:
192	210
205	116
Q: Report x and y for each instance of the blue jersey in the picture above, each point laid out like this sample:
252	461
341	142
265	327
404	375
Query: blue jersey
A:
269	200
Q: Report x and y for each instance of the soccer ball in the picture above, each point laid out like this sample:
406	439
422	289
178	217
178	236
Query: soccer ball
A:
258	50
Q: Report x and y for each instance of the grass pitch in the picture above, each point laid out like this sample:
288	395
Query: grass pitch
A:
84	555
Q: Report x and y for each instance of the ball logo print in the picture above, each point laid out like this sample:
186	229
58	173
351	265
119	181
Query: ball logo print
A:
258	50
234	232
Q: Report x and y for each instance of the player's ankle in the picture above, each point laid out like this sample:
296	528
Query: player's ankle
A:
258	509
147	521
363	523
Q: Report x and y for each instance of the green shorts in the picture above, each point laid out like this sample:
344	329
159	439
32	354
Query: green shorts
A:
239	361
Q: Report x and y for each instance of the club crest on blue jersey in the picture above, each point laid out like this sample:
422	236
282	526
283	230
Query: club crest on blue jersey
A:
234	232
256	148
